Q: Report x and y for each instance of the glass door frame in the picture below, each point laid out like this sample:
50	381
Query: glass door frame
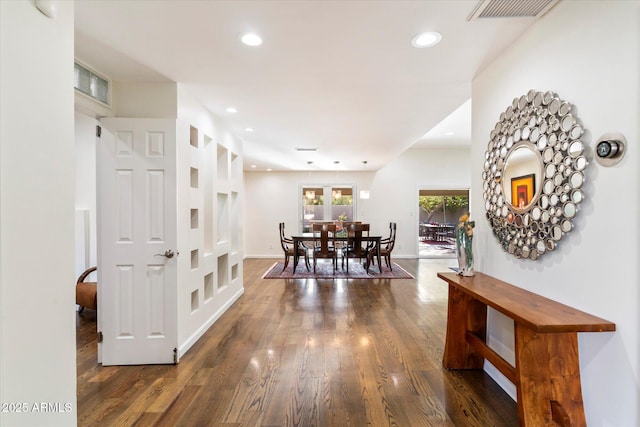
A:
327	208
453	220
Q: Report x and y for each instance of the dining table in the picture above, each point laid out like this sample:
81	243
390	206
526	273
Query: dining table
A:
437	232
298	240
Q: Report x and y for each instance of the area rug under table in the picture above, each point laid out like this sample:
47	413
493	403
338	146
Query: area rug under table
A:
324	271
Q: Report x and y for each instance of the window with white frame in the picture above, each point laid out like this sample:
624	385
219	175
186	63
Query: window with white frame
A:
326	203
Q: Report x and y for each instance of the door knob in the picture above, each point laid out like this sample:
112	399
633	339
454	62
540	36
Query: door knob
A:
168	254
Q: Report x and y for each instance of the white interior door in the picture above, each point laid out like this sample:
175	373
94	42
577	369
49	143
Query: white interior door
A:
137	297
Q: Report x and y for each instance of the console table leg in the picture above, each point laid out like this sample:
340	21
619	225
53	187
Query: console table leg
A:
548	378
465	314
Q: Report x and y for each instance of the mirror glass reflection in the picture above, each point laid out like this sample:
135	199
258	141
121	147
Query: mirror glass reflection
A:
521	177
534	174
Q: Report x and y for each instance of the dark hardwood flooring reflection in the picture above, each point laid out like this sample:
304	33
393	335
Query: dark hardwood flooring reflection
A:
303	353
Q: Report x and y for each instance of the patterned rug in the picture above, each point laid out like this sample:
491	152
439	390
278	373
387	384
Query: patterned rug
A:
324	271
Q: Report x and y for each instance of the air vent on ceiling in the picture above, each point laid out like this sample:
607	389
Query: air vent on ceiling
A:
511	9
306	149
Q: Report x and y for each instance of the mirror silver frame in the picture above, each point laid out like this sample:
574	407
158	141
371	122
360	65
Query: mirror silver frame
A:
545	131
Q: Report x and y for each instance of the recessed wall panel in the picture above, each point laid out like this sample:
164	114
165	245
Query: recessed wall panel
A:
223	217
193	177
194	259
223	271
155	205
208	287
195	300
223	163
208	193
234	272
124	198
194	219
124	297
234	235
193	136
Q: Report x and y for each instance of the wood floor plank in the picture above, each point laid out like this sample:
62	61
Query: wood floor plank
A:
303	353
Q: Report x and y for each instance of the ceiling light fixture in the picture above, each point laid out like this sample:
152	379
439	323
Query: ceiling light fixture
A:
251	39
427	39
249	129
231	110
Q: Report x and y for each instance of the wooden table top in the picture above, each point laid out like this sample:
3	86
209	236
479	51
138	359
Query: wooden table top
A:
535	311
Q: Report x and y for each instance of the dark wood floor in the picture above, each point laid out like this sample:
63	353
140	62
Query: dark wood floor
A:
303	353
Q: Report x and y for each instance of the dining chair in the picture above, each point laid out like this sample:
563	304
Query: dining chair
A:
343	231
387	244
324	244
356	247
289	249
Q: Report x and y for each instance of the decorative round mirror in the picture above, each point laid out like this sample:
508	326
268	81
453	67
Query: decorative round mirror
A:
533	174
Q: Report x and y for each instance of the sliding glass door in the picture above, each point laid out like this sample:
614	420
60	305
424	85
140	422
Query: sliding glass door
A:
439	211
326	203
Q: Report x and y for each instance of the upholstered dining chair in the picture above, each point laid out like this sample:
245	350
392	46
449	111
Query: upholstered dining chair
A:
356	246
387	244
324	244
289	249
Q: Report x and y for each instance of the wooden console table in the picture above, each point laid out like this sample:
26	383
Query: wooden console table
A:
547	368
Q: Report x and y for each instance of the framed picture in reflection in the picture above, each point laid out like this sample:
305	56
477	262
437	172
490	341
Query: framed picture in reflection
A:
522	189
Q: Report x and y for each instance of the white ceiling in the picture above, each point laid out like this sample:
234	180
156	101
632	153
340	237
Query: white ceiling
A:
339	76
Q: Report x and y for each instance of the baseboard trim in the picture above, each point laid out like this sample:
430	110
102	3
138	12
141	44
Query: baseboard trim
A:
182	350
501	380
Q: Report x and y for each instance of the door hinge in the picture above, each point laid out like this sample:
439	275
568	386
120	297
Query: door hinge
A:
98	131
100	337
175	356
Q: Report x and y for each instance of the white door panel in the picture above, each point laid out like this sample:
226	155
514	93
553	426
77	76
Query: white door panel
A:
137	226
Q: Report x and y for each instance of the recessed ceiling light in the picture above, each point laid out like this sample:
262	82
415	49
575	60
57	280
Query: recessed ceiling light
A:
251	39
249	129
426	39
231	110
449	133
253	166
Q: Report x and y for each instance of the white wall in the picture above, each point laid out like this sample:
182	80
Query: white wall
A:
394	193
272	197
85	195
161	100
37	339
145	100
193	323
588	53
